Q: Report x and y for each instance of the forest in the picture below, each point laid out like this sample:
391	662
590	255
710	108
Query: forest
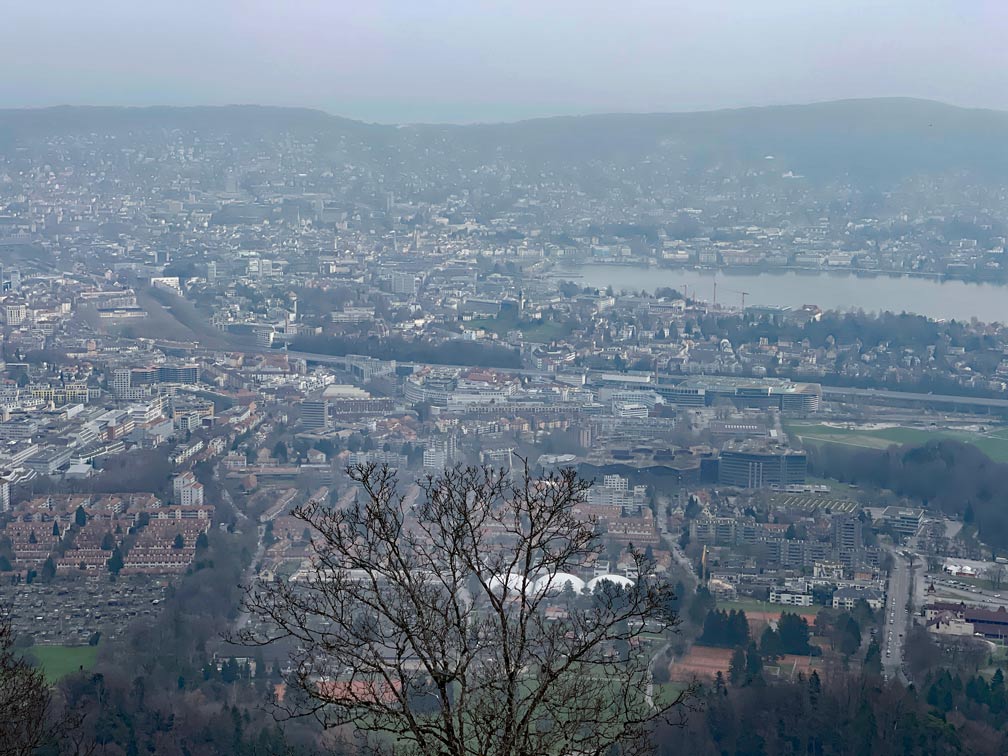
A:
945	476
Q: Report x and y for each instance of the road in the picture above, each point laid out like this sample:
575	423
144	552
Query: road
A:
649	690
897	620
947	590
249	576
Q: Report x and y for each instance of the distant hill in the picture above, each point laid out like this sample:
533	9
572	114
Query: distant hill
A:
862	137
876	140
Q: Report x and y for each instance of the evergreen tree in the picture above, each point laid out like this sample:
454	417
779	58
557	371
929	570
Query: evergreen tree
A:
794	634
701	604
48	570
978	691
997	692
80	516
754	665
873	659
280	452
848	636
739	628
115	562
720	687
737	667
229	671
770	643
814	688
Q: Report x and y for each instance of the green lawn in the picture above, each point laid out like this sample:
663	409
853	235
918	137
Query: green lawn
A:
533	330
60	661
993	443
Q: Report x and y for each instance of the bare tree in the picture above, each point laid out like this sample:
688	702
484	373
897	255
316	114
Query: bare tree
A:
995	575
449	626
26	705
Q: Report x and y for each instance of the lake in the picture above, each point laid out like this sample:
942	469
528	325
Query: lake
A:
831	291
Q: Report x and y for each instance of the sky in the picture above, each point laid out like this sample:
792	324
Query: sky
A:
407	61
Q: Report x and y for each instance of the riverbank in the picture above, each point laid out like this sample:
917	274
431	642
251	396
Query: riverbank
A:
831	290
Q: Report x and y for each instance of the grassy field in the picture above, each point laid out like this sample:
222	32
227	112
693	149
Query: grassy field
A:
60	661
993	443
546	330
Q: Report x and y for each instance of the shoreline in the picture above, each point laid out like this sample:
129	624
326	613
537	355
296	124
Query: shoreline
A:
559	269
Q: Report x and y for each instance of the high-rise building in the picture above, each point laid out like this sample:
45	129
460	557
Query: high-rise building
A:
15	313
121	381
178	374
405	283
315	414
846	532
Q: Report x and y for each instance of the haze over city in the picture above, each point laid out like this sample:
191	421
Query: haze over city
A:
348	407
397	61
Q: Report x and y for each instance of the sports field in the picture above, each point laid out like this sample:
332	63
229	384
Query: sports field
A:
704	662
992	441
60	661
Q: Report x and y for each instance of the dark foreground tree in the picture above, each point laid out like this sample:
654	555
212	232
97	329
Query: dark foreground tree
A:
448	625
26	722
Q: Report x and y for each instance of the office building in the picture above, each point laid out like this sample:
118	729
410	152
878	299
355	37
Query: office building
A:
753	464
315	414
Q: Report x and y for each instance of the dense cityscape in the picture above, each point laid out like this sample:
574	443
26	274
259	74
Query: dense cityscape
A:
211	315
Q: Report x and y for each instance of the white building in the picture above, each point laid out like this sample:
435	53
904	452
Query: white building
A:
847	597
630	409
15	313
188	491
435	459
781	596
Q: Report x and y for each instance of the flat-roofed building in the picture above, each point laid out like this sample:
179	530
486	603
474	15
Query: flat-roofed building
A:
750	464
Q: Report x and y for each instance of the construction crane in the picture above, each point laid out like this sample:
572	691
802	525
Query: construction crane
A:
743	294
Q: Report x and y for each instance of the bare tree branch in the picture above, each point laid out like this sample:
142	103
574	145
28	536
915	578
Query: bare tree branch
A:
450	626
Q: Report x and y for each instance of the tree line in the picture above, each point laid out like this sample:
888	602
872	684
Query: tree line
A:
453	352
848	713
947	476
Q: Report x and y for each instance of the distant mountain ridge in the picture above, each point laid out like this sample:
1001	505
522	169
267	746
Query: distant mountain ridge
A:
873	139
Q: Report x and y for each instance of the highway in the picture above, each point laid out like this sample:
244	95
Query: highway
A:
858	395
897	620
952	589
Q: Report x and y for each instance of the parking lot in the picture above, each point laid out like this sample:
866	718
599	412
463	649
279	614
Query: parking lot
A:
812	502
70	611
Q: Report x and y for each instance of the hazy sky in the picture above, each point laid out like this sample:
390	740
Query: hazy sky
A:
466	60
